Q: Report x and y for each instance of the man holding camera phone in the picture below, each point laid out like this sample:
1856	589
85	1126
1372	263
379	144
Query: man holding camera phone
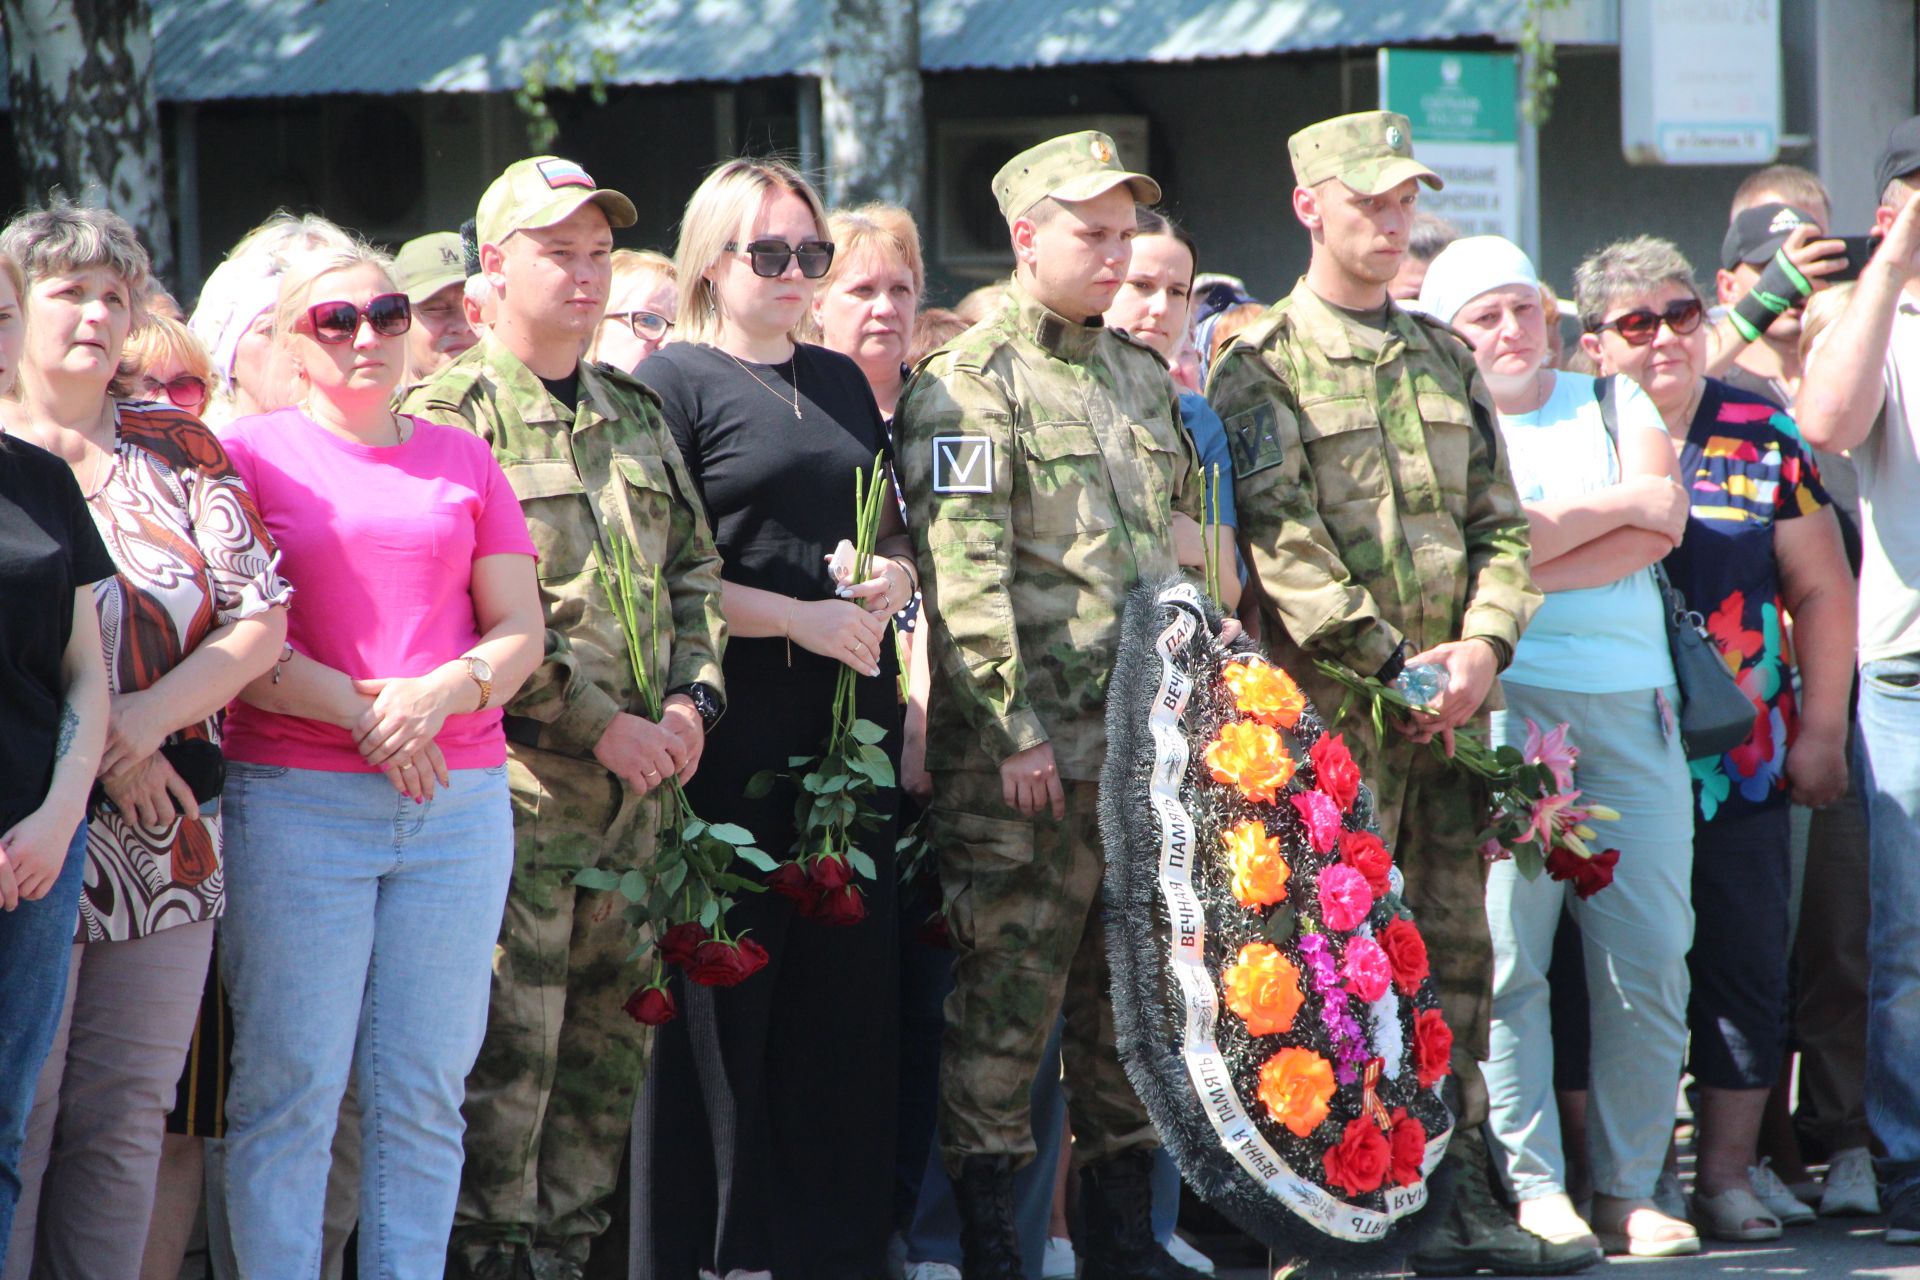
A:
1861	376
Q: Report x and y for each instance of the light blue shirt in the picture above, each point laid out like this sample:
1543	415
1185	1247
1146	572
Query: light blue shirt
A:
1608	639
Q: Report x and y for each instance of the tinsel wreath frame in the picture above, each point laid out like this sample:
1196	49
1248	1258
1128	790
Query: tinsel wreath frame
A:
1151	1012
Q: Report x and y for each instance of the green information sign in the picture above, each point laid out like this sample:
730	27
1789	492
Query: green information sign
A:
1450	97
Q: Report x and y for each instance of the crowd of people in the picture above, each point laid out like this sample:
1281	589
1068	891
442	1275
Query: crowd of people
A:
359	619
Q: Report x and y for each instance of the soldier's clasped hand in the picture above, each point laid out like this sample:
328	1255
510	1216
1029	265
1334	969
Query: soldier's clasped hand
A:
1030	783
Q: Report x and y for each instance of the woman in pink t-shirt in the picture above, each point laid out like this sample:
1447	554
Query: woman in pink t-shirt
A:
369	841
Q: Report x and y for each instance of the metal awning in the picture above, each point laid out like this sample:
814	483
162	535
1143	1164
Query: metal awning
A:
209	50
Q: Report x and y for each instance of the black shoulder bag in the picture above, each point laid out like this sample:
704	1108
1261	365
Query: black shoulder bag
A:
1715	716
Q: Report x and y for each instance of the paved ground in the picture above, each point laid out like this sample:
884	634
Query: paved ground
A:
1828	1248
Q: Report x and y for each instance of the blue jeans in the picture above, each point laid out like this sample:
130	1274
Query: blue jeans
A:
1887	762
359	933
36	941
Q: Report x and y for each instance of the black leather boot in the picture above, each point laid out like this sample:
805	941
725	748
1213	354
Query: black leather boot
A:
989	1246
1479	1234
1115	1240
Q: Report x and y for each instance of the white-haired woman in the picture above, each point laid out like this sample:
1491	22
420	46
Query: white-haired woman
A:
768	1118
370	836
1602	506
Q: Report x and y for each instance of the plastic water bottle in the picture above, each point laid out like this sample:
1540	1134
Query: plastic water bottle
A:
1421	685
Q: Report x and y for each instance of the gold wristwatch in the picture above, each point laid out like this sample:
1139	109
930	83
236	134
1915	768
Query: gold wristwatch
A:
481	672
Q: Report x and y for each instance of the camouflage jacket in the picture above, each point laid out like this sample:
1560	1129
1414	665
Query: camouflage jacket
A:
1372	488
1042	462
613	469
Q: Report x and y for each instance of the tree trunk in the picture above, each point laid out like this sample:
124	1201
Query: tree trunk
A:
84	117
870	104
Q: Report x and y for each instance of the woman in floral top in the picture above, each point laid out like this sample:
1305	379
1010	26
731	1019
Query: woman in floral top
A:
194	612
1762	550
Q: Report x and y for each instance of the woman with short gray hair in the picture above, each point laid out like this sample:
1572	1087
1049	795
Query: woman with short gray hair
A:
1762	546
194	611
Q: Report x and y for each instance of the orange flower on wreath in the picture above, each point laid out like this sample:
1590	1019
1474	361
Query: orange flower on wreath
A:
1263	988
1265	692
1250	756
1296	1085
1260	870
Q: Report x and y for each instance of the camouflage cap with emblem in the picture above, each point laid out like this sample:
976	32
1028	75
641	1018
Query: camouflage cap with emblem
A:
1370	151
1074	166
427	264
539	192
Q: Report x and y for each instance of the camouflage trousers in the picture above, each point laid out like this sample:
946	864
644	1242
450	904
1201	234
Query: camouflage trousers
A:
550	1101
1023	905
1429	813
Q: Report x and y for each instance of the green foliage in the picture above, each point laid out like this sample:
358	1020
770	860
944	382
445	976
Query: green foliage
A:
563	64
1540	58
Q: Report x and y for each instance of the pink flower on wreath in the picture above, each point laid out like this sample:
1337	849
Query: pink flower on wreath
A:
1345	897
1553	750
1366	969
1322	817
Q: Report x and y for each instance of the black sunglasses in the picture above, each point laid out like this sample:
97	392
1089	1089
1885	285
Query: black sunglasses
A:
333	323
188	391
770	257
1637	328
646	324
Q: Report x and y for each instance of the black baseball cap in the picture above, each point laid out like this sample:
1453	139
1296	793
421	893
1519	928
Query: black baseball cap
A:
1757	233
1900	156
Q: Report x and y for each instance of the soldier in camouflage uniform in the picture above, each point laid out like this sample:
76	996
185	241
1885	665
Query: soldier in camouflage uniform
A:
1381	519
549	1103
1044	465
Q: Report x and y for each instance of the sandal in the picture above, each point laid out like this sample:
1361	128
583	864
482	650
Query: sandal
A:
1729	1215
1641	1231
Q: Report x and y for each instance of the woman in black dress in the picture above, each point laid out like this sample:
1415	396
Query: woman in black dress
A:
765	1139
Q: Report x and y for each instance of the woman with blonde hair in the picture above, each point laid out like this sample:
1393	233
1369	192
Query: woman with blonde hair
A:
766	1132
164	363
640	308
366	785
193	612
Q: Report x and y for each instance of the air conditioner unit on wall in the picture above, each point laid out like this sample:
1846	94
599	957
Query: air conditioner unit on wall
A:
970	236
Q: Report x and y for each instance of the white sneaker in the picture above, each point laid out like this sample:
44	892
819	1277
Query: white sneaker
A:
1851	1190
932	1271
1187	1255
1059	1262
1773	1193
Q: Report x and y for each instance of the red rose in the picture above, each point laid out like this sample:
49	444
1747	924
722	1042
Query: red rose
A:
651	1006
1359	1163
1409	1144
727	964
842	906
934	932
1407	953
1432	1046
678	944
1589	875
829	873
1363	851
790	881
1334	771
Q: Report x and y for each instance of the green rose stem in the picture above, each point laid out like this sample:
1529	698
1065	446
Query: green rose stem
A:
1210	534
836	787
691	877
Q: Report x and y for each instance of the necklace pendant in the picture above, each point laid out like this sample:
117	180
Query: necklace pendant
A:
796	413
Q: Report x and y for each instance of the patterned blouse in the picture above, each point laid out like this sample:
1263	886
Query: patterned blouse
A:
1745	469
193	555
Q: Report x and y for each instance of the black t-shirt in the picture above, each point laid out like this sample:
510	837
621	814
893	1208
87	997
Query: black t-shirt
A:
777	489
48	549
566	390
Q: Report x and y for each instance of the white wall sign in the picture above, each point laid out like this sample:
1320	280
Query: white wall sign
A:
1700	81
1462	109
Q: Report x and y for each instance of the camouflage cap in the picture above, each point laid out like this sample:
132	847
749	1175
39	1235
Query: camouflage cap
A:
429	263
1074	166
1370	151
541	191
